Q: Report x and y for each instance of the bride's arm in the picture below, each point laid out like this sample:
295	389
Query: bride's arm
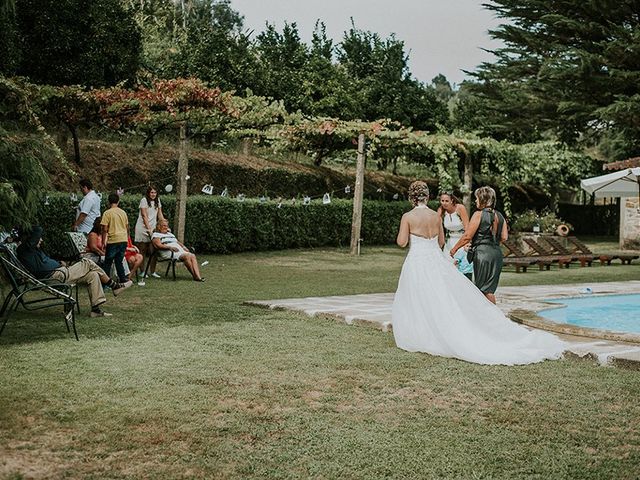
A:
403	234
471	230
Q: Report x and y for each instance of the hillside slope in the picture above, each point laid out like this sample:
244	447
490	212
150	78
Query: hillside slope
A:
119	165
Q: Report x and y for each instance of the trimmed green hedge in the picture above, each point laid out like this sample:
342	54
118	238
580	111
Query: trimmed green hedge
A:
223	225
592	219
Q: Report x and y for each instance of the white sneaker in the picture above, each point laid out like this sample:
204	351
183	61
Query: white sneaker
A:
155	275
141	283
120	287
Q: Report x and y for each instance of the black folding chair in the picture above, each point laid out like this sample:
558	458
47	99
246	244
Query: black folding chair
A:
172	263
32	293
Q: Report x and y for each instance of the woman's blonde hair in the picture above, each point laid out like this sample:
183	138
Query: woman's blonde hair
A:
486	197
418	192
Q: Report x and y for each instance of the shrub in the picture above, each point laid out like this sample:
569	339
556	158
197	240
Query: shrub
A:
548	221
224	225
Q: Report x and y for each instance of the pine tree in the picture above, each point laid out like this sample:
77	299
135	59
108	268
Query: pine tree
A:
569	69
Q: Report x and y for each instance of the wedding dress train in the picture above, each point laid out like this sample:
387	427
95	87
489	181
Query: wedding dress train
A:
439	311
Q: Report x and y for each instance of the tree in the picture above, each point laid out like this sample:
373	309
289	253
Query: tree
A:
569	69
382	84
216	48
23	180
282	58
77	42
9	52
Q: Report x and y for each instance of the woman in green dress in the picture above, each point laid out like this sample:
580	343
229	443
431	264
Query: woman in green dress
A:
486	230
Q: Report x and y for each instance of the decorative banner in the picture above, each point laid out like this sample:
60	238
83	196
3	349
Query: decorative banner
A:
326	199
347	189
263	199
168	188
207	189
225	192
240	197
73	197
120	191
379	190
293	200
187	177
306	200
99	195
396	196
46	200
279	202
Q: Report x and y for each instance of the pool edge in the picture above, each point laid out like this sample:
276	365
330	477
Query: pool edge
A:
532	319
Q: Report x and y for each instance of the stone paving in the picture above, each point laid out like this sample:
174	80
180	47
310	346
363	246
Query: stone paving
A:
374	310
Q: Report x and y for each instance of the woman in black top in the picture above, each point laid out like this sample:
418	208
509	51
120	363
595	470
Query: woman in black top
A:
486	230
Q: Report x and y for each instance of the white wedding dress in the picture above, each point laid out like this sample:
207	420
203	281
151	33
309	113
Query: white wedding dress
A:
437	310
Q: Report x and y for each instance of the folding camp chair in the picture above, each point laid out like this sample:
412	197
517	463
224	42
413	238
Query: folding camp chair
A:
171	265
32	293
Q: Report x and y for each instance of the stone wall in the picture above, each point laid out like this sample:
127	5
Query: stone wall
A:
630	223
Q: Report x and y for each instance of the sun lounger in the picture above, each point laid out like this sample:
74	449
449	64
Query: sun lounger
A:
605	258
517	258
544	252
583	258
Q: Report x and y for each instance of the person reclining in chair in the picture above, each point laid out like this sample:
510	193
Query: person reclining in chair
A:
169	247
41	266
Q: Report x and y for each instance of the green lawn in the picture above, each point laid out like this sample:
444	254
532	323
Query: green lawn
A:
186	382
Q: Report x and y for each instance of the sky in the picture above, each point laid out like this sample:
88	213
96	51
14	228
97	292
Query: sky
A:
441	36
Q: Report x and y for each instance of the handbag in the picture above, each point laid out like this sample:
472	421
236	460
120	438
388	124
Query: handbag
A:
471	253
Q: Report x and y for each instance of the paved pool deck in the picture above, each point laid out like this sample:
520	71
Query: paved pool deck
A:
520	303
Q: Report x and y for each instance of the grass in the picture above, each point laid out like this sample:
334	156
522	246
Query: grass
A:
186	382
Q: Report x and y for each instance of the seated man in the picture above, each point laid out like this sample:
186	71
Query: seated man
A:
167	245
85	271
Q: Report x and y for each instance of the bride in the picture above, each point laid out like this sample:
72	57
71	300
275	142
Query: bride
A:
439	311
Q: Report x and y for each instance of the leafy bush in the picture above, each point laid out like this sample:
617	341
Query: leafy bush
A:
224	225
548	221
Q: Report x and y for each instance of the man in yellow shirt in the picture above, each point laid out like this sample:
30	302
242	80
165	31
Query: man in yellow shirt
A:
115	232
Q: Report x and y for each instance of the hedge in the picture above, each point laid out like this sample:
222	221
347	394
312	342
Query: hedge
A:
222	225
592	219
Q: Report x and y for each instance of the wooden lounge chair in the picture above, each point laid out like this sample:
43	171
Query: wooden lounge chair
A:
583	258
517	258
605	258
544	252
32	293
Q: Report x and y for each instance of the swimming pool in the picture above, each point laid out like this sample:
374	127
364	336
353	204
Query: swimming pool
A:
618	313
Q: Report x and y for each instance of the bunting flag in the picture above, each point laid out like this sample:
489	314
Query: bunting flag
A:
207	189
168	188
326	199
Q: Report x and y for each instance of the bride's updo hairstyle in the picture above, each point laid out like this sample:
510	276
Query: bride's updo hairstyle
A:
486	197
418	193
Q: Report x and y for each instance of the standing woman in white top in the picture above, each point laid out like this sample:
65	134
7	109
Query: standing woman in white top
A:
455	219
150	212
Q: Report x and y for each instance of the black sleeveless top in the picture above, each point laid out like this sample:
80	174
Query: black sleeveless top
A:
485	235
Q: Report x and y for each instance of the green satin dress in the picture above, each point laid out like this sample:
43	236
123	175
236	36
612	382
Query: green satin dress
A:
487	262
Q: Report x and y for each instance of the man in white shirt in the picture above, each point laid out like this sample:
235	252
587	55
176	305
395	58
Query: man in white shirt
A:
88	208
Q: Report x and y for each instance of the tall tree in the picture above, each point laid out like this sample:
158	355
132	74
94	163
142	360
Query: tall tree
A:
9	51
66	42
217	48
569	69
283	58
383	85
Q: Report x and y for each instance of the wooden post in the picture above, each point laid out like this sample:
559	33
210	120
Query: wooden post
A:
356	222
468	182
181	194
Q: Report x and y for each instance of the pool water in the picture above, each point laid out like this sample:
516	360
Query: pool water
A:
619	313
